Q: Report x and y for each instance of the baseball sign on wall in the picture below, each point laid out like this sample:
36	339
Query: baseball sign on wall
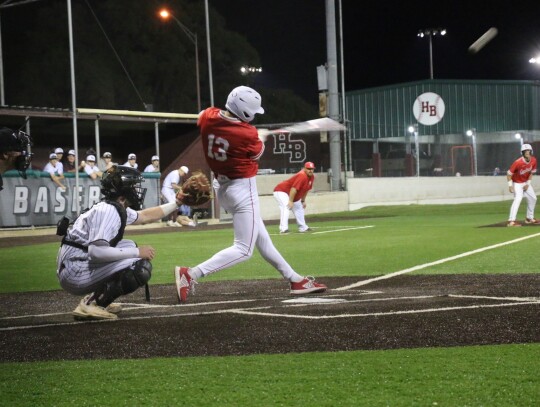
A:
428	108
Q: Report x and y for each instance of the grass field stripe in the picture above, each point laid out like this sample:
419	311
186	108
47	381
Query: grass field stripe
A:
342	230
380	314
435	263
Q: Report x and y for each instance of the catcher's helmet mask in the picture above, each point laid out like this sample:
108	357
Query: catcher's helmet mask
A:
124	181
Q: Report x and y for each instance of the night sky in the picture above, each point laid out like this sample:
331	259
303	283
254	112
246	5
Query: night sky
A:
381	43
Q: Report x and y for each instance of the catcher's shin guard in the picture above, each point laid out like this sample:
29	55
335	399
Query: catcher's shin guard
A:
125	282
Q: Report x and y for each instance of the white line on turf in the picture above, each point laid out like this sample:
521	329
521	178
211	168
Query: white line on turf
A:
519	299
378	314
435	263
343	229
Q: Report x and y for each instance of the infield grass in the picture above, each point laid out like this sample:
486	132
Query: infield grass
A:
504	375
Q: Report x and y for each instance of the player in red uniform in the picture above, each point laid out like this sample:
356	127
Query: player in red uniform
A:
232	148
291	194
519	182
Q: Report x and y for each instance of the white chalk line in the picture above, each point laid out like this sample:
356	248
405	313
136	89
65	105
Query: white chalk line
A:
379	314
254	310
342	229
435	263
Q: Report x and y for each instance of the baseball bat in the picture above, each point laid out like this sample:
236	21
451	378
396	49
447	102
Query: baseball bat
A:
310	126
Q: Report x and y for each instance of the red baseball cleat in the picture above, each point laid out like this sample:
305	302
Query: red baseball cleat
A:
306	286
184	283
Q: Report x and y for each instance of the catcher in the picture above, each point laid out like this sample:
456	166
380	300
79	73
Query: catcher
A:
94	259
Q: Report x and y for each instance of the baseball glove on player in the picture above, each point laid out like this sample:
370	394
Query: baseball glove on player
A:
196	190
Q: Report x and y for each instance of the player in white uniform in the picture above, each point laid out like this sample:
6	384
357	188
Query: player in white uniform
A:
55	171
171	185
91	168
94	260
232	148
154	166
60	154
132	161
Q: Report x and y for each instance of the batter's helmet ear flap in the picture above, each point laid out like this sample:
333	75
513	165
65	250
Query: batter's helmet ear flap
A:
244	103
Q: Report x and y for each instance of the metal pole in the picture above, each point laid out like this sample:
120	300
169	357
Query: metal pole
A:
156	136
430	56
198	79
333	97
343	115
475	157
210	82
74	106
417	147
98	143
2	94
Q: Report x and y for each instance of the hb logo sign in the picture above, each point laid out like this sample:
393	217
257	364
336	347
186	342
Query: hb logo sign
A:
428	108
295	149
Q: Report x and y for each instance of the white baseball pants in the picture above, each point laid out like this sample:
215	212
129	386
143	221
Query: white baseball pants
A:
282	199
240	198
519	193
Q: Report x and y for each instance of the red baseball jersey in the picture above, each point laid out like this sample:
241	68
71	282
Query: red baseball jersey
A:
232	147
300	181
521	169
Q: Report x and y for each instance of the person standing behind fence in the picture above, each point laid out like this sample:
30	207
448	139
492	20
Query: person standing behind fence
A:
54	171
291	194
154	165
519	178
106	162
132	161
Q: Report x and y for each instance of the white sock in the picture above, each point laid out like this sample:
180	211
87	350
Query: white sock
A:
195	273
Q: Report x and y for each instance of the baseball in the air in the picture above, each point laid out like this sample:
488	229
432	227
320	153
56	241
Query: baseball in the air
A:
483	40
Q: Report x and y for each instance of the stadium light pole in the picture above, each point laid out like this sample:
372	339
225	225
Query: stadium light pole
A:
165	15
430	32
413	129
472	133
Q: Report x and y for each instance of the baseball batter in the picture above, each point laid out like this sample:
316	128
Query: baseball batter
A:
232	147
94	260
291	194
519	183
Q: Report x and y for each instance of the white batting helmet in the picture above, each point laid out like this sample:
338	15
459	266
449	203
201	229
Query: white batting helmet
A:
526	147
244	102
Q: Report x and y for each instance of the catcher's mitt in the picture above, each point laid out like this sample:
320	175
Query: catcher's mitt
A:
196	190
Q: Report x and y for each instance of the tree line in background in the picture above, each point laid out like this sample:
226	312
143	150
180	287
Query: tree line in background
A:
157	55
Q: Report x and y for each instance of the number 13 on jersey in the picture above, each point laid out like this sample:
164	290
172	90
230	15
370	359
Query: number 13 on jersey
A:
217	148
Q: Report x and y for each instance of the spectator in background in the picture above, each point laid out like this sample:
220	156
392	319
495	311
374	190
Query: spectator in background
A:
105	162
91	168
53	169
132	161
59	151
154	166
70	165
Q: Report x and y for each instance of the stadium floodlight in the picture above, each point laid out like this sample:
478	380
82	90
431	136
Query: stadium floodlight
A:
430	32
535	60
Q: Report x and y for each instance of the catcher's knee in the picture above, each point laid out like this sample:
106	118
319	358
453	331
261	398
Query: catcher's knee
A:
126	282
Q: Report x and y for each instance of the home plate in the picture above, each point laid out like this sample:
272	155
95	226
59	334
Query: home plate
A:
315	300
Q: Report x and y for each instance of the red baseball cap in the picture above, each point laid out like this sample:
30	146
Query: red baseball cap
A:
309	165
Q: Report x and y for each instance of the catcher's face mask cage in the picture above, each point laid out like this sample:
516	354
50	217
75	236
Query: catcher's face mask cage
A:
20	142
124	181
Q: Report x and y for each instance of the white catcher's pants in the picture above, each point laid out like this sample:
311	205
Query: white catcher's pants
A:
519	193
240	198
298	210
